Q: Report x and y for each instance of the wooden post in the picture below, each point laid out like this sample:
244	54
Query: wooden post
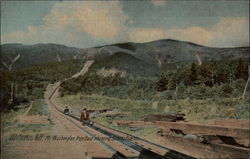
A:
243	96
11	92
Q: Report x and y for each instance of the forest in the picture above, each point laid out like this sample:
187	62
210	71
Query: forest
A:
26	85
209	80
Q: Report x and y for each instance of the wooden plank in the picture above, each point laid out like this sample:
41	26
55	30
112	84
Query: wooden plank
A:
165	117
115	114
139	125
236	123
129	122
199	150
199	129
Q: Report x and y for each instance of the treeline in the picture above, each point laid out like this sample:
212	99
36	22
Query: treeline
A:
28	84
209	73
90	83
113	86
208	80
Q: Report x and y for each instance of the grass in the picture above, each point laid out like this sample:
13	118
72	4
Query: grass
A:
34	128
11	120
202	111
199	111
198	106
39	107
147	133
137	108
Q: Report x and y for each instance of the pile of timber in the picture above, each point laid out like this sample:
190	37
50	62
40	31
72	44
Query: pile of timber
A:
222	138
115	114
234	123
204	151
131	123
213	133
91	110
100	111
165	117
105	110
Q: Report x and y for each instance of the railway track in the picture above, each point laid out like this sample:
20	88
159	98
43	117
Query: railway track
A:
111	143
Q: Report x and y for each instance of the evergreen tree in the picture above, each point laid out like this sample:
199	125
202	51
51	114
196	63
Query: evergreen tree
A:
204	75
221	73
172	83
162	83
193	74
240	70
212	68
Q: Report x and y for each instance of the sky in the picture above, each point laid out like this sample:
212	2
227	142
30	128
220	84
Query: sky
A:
83	24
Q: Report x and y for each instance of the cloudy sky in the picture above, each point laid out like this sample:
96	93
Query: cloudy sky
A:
216	23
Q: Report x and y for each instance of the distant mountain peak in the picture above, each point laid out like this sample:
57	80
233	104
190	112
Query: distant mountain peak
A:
157	53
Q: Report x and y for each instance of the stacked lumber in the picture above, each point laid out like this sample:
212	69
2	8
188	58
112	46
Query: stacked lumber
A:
227	135
131	123
234	123
115	114
105	110
165	117
204	151
243	124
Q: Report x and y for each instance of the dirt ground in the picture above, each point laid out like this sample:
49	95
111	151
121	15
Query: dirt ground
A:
47	149
56	149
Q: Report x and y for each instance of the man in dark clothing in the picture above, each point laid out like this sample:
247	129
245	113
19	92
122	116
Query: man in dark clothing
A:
85	116
66	110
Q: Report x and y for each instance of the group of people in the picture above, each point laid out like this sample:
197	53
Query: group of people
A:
85	118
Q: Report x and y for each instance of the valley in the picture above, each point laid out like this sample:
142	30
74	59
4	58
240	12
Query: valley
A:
203	83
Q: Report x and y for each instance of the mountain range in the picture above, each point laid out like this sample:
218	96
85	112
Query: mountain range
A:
158	54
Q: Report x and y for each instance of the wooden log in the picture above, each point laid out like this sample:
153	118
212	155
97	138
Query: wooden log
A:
131	123
165	117
199	129
105	110
121	122
199	150
139	125
115	114
235	123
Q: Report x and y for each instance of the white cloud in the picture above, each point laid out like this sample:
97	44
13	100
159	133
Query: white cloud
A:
98	20
231	32
147	34
193	34
158	2
88	23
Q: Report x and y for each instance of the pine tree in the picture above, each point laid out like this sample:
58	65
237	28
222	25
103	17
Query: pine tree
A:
221	73
162	83
193	74
240	69
204	75
212	68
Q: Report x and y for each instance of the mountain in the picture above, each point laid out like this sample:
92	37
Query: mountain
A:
166	52
17	56
121	62
161	53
